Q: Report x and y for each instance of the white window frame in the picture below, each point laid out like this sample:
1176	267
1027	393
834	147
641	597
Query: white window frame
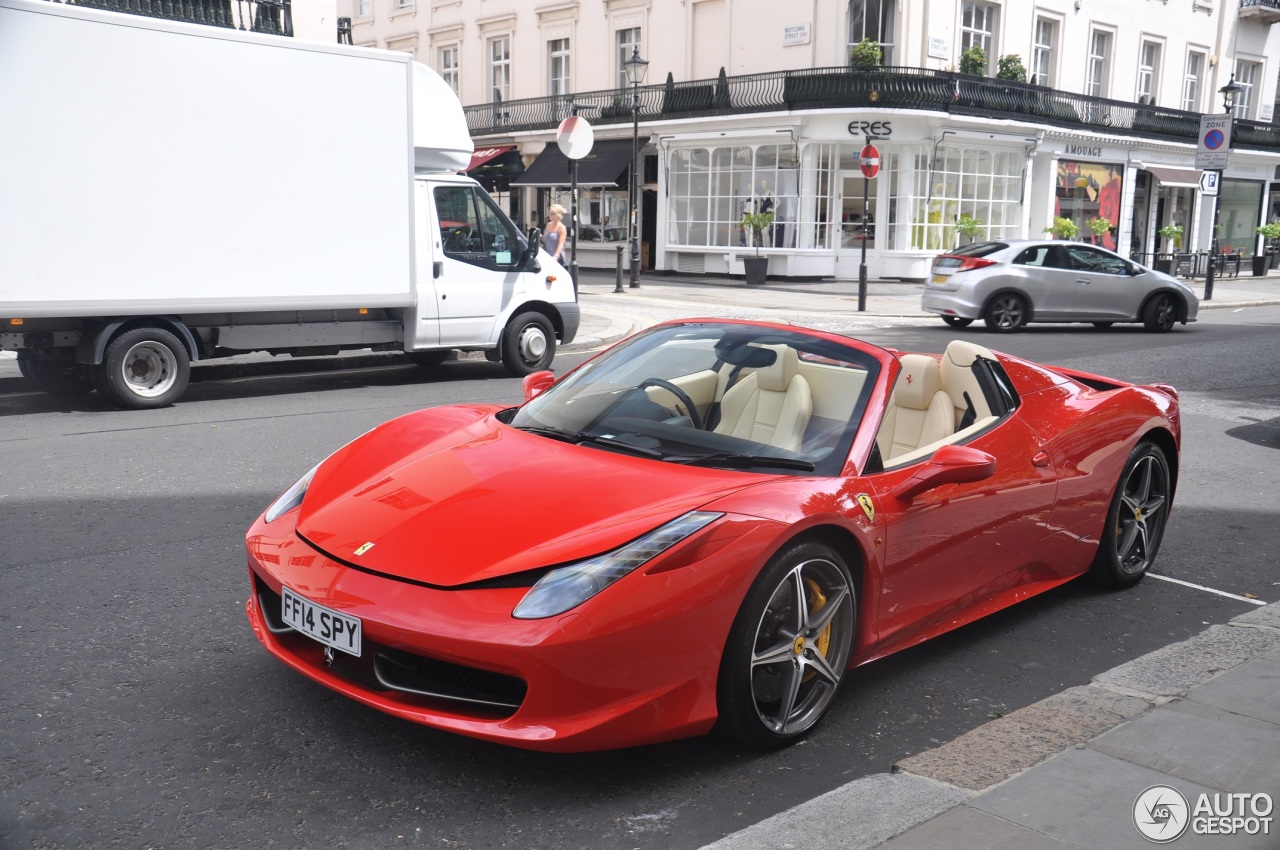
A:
1248	74
979	23
1098	67
499	68
364	8
447	64
1192	78
559	81
1044	51
860	26
401	5
625	39
1149	69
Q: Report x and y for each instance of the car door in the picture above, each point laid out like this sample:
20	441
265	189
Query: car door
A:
1105	289
1047	280
481	253
949	549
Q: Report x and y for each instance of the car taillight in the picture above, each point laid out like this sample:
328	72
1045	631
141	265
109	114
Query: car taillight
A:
967	264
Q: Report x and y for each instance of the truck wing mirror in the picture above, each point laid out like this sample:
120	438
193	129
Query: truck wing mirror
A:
531	250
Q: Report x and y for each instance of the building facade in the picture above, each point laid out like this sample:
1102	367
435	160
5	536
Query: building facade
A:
752	106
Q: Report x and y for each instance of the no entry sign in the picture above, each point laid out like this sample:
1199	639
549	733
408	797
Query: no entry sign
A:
869	161
575	137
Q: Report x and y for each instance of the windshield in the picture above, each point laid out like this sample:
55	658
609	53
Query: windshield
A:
732	396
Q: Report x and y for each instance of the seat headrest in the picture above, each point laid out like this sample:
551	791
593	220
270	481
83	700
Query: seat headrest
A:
919	380
786	366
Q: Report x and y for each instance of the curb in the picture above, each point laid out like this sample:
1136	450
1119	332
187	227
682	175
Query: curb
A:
856	815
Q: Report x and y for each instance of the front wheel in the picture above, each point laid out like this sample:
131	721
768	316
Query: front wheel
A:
957	321
1006	313
1135	520
1160	314
528	344
788	648
144	368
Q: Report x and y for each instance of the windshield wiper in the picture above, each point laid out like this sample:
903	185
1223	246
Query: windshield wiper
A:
580	437
738	459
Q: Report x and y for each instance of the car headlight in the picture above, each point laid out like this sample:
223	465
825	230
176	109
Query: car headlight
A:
568	587
291	497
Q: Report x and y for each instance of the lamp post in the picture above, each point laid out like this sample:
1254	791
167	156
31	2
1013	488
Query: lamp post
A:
1229	94
635	68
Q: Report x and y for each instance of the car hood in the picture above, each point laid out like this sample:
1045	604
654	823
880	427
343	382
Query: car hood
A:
451	496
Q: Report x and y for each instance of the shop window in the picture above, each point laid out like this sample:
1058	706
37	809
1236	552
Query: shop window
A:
982	183
1089	190
709	190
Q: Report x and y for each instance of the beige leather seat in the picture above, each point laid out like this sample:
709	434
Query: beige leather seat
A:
772	405
919	412
958	378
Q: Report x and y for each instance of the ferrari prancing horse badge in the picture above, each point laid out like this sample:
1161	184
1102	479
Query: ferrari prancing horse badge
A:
868	507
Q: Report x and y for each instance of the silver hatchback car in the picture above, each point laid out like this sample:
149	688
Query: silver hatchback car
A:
1007	284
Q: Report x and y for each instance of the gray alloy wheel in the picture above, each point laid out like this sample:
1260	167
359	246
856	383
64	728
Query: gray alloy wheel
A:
789	647
1160	314
1006	313
1135	519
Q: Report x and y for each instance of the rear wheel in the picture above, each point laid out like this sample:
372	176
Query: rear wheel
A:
60	377
1160	314
1006	313
788	648
144	368
528	344
957	321
1135	520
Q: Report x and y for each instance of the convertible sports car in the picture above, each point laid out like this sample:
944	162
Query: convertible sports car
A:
703	527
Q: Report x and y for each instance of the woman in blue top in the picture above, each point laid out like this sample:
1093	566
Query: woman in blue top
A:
554	236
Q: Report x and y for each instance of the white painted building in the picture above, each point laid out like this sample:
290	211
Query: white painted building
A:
1108	131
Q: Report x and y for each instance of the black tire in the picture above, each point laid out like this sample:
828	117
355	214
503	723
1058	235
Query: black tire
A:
1136	518
1102	326
783	662
1006	313
59	377
1160	314
143	368
528	344
430	359
957	321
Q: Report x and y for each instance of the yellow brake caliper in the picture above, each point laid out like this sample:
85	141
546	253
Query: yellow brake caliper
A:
816	601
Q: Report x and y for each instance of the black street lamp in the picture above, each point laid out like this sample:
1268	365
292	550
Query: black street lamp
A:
635	68
1229	94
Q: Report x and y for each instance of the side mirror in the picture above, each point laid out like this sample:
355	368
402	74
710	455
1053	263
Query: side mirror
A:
949	465
531	250
537	383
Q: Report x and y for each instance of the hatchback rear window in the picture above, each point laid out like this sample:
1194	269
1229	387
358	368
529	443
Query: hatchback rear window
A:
978	249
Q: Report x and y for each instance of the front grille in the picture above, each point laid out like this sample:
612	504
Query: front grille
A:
414	679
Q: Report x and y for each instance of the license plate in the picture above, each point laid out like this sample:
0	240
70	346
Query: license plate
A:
939	278
320	623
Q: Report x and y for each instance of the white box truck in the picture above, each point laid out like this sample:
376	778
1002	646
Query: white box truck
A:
172	192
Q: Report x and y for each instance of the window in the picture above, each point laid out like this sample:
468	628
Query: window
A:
978	27
628	41
1247	74
449	66
1099	64
872	19
364	8
1191	81
711	188
404	4
1042	51
1084	259
1148	71
558	66
980	182
474	231
500	68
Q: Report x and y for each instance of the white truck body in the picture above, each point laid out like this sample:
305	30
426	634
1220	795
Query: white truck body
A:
242	192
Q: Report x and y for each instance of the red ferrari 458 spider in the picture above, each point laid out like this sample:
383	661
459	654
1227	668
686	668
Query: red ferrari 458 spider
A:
703	527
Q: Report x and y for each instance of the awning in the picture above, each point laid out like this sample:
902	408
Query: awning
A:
604	166
483	155
1183	178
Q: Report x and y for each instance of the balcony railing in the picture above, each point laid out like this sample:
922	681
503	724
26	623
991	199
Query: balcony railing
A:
879	88
269	16
1267	11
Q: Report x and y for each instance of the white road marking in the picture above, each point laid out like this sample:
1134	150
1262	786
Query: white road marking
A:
1208	589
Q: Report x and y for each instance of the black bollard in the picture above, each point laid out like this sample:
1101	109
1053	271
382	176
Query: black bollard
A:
617	285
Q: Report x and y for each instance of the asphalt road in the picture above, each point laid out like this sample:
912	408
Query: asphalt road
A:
139	711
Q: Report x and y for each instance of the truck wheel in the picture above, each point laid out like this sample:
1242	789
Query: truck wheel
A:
528	344
55	377
144	368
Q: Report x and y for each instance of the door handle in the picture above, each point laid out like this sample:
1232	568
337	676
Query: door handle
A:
1083	280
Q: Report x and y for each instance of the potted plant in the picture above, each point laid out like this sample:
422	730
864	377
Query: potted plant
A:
974	61
866	53
1011	68
757	267
1100	227
1173	232
1063	228
1271	233
968	227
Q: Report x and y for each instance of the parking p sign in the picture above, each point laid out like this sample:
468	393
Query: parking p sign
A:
1208	182
1215	142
